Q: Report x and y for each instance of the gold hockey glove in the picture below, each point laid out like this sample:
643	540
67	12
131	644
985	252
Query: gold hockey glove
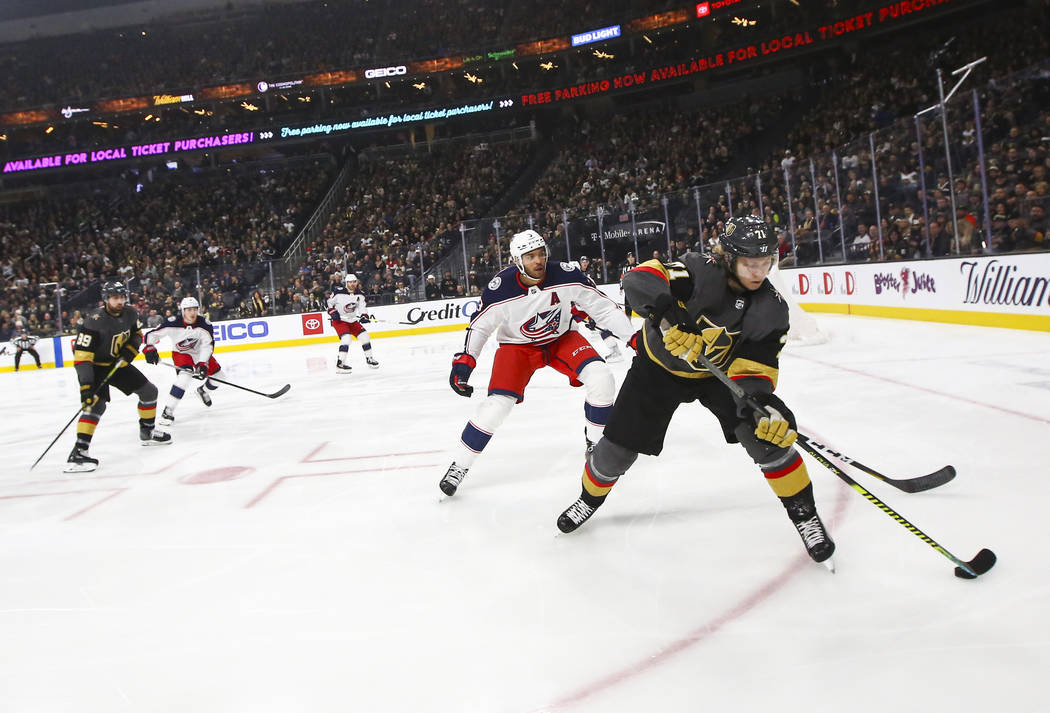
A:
684	345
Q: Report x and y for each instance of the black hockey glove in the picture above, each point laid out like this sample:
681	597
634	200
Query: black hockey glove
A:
151	354
128	353
333	314
200	371
364	318
666	307
462	365
776	424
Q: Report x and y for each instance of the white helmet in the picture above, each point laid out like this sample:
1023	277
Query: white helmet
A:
188	303
350	277
524	242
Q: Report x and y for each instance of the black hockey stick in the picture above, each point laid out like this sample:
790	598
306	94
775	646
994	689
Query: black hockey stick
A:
280	392
909	485
981	563
119	363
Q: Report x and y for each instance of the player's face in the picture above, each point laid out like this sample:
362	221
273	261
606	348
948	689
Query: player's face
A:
534	262
751	271
189	315
115	303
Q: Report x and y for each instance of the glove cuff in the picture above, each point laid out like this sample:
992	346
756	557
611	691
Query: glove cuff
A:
464	358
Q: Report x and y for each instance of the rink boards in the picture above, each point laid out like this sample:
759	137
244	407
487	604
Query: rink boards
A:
1000	291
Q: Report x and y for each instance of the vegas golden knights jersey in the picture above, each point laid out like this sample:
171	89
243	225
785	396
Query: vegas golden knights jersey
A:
101	336
743	333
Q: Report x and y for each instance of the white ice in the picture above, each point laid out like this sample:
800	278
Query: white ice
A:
296	554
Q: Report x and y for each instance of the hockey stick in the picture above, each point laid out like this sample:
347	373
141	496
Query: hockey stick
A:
280	392
117	365
981	563
909	485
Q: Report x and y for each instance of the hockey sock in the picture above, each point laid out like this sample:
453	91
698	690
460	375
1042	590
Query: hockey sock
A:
490	414
787	475
607	462
344	348
212	385
366	343
86	428
601	391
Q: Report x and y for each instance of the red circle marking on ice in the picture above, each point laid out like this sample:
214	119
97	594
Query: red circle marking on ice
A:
216	475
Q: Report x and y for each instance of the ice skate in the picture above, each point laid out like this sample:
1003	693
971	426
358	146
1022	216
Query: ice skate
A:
575	515
79	461
148	436
372	362
814	536
205	396
167	418
453	477
341	368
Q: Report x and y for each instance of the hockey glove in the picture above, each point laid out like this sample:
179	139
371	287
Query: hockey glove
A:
684	345
462	365
87	399
200	371
128	353
333	313
777	424
364	318
151	354
666	307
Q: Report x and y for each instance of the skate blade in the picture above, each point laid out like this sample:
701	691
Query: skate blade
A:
79	468
829	564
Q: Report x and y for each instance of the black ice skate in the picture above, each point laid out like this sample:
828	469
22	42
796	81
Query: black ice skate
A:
372	362
576	514
79	461
342	368
804	517
150	437
453	477
205	396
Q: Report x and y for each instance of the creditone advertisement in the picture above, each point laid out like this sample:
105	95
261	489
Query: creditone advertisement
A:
994	290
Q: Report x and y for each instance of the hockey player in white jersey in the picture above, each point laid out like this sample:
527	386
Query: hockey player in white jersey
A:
193	344
346	308
529	308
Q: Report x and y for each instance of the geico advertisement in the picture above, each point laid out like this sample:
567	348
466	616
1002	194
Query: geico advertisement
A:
1018	284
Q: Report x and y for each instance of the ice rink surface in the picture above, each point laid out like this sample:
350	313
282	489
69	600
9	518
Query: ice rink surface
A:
296	554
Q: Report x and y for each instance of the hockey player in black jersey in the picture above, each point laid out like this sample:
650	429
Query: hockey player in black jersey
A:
725	308
109	335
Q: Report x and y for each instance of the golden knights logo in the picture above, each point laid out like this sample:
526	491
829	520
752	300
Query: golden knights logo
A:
544	324
719	343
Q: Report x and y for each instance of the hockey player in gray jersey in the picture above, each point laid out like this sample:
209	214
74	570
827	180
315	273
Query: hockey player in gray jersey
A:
724	308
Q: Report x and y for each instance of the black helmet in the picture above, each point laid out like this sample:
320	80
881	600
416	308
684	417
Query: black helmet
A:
114	288
748	236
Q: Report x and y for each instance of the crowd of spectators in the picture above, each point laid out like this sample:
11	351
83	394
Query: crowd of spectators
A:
183	55
400	216
168	236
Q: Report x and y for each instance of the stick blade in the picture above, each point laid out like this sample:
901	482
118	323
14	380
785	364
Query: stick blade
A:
927	482
280	392
980	564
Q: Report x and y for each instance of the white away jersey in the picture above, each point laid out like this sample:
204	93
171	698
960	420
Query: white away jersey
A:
543	312
196	339
348	307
